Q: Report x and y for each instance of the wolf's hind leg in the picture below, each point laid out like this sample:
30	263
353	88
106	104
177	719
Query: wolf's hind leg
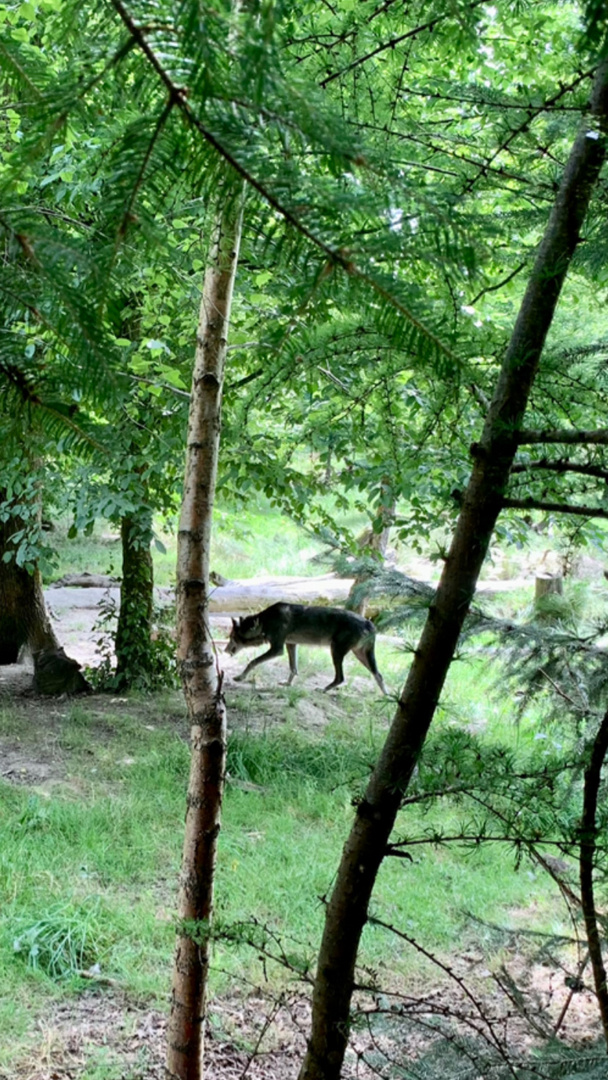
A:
365	655
292	652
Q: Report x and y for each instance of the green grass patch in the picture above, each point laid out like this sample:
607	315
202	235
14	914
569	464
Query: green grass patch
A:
248	541
66	941
88	871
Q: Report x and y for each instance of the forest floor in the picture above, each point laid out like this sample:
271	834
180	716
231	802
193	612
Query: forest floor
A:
257	1031
108	1031
109	1036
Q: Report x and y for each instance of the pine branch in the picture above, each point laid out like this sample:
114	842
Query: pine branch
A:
10	60
562	466
568	437
502	104
19	381
499	284
128	212
554	508
436	839
415	32
525	124
493	1038
336	256
433	146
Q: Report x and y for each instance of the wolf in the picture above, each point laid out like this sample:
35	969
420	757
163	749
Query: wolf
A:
295	624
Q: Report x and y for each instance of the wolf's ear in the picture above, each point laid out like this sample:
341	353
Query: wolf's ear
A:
254	629
235	624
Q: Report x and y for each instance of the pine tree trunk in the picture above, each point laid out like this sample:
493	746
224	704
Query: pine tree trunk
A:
202	686
133	634
588	844
493	456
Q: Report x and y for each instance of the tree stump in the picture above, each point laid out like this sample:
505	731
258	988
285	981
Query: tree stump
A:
548	584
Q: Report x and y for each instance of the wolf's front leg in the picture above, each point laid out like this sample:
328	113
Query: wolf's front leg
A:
275	650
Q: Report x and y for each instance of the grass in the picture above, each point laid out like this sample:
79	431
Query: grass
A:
252	541
89	866
88	871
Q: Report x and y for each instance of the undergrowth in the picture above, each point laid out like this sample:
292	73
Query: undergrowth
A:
88	871
89	864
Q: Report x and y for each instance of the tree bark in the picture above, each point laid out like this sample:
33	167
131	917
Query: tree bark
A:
24	621
554	508
366	846
133	643
564	466
202	687
568	437
589	830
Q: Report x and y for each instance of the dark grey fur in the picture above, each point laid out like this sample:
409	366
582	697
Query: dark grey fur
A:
295	624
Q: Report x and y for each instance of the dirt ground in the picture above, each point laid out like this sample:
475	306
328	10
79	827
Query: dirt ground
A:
122	1040
75	611
104	1035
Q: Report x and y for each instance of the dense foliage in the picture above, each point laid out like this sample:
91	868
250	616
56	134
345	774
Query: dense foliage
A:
399	171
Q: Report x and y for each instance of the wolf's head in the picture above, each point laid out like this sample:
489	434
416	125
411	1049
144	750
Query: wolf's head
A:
245	632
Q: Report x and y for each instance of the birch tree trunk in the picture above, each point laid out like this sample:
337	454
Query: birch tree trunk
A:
493	456
201	682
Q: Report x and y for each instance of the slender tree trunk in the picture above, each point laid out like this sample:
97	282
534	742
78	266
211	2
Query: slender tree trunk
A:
386	512
493	456
133	633
202	688
593	775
